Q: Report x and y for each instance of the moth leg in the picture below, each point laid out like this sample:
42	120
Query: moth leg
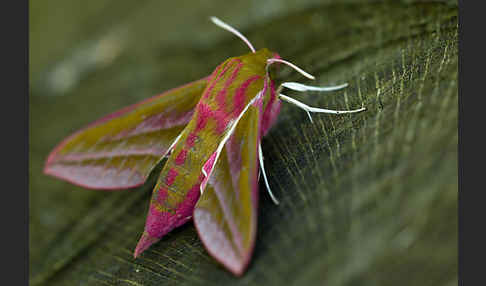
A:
310	109
296	68
302	87
260	158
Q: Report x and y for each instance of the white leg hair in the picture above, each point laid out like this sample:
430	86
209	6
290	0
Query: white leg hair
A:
260	157
302	87
310	109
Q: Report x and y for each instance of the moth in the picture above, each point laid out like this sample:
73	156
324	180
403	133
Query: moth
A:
210	131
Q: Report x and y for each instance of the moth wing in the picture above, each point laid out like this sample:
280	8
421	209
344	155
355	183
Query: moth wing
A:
119	150
226	214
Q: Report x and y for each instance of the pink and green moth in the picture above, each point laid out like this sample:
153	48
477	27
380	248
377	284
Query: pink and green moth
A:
210	131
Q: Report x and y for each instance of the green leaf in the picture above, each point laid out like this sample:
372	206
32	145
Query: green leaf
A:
366	199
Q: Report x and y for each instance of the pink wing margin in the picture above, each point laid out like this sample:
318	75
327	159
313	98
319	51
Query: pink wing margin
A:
119	150
226	214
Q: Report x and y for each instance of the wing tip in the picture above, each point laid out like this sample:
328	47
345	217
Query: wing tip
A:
144	243
234	263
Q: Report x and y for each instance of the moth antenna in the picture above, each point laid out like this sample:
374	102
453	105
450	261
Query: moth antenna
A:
302	87
301	71
227	27
309	109
260	158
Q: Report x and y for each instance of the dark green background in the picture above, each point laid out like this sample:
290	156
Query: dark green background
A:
367	199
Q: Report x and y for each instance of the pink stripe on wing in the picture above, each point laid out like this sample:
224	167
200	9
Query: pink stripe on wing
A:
171	176
181	157
221	97
191	140
203	114
239	99
215	79
78	157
